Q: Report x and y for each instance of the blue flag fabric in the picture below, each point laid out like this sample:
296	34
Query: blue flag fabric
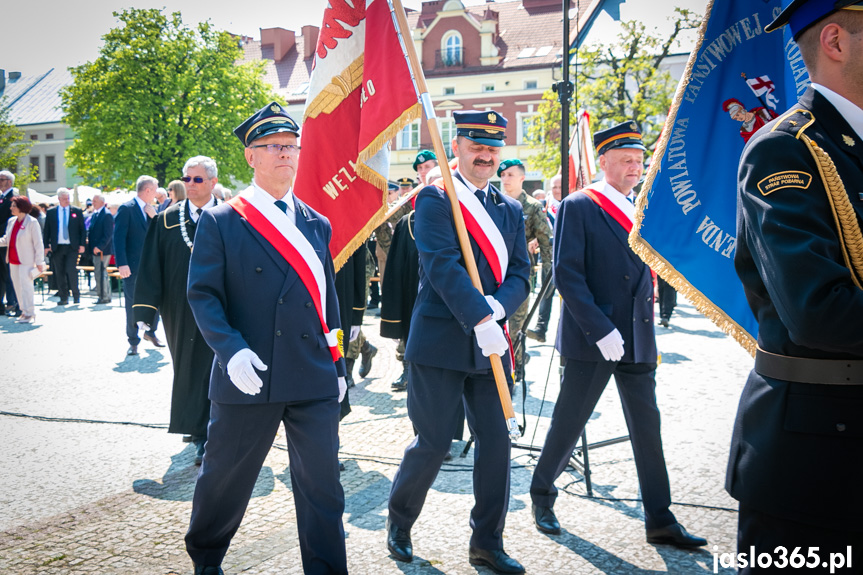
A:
737	79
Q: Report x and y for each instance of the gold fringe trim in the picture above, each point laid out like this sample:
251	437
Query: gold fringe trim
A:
646	252
377	180
329	98
850	236
360	237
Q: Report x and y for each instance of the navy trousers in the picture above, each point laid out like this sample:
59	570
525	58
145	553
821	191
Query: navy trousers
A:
582	384
434	398
765	533
131	324
238	440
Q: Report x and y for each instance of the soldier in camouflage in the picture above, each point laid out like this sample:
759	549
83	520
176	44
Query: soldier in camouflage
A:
537	232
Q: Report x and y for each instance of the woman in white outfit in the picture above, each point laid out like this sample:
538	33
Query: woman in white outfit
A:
26	254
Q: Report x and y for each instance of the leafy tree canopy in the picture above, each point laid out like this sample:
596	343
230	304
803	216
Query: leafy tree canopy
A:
159	93
13	148
614	82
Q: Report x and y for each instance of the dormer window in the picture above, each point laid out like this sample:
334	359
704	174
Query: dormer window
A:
451	49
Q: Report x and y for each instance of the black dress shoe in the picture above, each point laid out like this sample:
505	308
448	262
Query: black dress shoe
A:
545	520
536	335
401	383
76	300
154	340
674	534
367	352
133	350
496	559
208	570
399	542
63	302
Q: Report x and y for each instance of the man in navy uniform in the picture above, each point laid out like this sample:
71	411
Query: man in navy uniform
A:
606	328
454	329
795	463
261	287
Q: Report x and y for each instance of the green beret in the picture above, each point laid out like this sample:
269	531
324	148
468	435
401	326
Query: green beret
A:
423	157
506	164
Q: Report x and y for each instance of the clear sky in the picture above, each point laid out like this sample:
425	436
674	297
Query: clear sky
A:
38	36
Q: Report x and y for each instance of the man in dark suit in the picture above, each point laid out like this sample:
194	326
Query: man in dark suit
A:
100	239
795	463
454	330
606	328
274	332
7	192
64	237
130	231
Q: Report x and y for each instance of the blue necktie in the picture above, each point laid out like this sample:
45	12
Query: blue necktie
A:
282	206
480	196
64	227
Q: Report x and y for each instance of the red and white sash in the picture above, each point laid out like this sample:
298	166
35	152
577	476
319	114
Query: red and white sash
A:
284	236
482	229
623	214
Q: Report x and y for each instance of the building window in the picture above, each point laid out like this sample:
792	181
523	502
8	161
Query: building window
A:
447	134
449	91
525	121
34	168
451	53
488	87
49	136
409	137
530	84
50	169
34	137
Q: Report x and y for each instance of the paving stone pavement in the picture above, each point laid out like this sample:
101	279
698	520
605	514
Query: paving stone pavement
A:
84	488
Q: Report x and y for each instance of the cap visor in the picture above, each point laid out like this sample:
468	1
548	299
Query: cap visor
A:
275	130
488	142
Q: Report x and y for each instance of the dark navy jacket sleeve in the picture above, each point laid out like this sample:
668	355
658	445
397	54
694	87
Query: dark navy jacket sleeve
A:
570	273
121	230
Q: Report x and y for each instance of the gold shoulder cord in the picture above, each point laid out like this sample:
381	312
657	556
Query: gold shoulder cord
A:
850	236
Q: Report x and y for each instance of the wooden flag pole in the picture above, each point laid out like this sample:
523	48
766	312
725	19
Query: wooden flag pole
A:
464	240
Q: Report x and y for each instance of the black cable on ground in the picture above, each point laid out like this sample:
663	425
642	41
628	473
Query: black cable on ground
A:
77	420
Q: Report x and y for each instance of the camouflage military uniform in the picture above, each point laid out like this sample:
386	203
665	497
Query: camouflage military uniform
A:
535	226
384	235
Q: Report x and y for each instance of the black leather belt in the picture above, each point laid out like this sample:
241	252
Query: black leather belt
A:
807	370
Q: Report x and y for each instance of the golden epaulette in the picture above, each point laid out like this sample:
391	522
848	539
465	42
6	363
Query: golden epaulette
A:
794	122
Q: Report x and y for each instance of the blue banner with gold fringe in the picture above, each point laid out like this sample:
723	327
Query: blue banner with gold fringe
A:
738	78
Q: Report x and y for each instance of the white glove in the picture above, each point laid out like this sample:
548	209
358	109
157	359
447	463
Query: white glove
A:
490	338
611	346
497	311
241	370
355	332
343	388
143	326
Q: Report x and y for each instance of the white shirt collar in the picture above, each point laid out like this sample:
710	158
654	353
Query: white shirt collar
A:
473	188
193	209
617	198
288	198
848	109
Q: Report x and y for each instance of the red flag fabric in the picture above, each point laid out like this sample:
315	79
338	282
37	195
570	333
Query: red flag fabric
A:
582	162
360	96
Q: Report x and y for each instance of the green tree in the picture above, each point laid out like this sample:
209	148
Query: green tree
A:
13	148
159	93
615	82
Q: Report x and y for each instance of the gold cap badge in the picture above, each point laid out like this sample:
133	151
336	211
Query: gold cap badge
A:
492	118
275	108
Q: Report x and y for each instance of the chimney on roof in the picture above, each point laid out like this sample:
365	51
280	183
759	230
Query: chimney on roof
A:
2	80
310	41
432	6
14	76
280	39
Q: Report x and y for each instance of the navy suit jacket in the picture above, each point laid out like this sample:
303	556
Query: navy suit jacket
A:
77	231
130	230
101	232
603	283
448	307
244	294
